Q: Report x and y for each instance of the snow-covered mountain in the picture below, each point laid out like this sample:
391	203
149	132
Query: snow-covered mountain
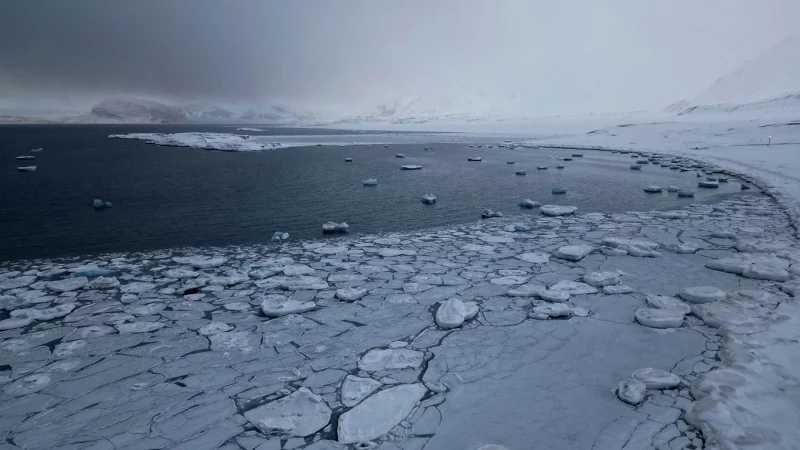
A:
767	83
129	110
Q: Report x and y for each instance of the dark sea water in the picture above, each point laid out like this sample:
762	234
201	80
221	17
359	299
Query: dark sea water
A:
170	197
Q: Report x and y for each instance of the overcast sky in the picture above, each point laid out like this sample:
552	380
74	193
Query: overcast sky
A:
545	56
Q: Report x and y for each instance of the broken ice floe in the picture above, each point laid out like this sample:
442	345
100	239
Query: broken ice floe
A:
370	182
528	203
333	227
429	199
489	214
453	312
557	210
99	204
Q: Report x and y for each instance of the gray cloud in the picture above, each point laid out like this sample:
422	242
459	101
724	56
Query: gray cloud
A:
536	56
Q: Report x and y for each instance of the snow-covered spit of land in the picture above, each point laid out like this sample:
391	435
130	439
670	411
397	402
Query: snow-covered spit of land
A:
452	338
253	143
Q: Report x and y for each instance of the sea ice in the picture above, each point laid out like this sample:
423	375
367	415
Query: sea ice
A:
99	204
453	312
555	296
68	284
659	318
350	294
631	391
355	389
558	191
551	310
333	227
573	252
573	287
377	360
656	378
653	189
301	413
429	199
379	413
617	290
489	214
663	302
701	294
370	182
534	258
201	262
279	236
557	210
528	203
410	167
26	169
601	279
526	290
276	305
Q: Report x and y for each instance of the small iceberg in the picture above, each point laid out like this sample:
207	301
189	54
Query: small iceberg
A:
560	166
370	182
99	204
279	236
26	157
557	210
475	158
685	194
653	189
26	169
521	172
711	179
566	158
722	179
528	203
489	214
636	167
509	162
558	190
643	161
37	150
541	168
577	155
400	155
348	160
411	167
518	228
429	199
708	184
333	227
673	188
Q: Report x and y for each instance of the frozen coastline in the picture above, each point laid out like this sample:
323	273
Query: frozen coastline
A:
171	337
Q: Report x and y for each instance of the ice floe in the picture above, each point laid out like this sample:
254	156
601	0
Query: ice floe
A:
557	210
453	312
301	413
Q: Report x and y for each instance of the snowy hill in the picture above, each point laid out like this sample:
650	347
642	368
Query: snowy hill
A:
768	83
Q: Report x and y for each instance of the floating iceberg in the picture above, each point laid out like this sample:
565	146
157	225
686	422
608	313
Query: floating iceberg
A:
528	203
566	158
333	227
400	155
37	150
541	168
370	182
558	190
653	189
560	166
411	167
673	189
722	179
26	157
475	158
99	204
279	236
557	210
348	160
577	155
509	162
26	169
428	199
636	167
521	172
708	184
685	194
489	214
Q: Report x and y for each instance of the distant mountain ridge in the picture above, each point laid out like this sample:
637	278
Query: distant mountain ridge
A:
768	83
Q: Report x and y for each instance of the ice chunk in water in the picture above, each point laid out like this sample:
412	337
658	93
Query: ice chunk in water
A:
528	203
370	182
489	214
428	199
653	189
26	169
333	227
559	190
279	236
99	204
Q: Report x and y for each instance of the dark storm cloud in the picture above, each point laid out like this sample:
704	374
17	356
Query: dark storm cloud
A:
546	56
